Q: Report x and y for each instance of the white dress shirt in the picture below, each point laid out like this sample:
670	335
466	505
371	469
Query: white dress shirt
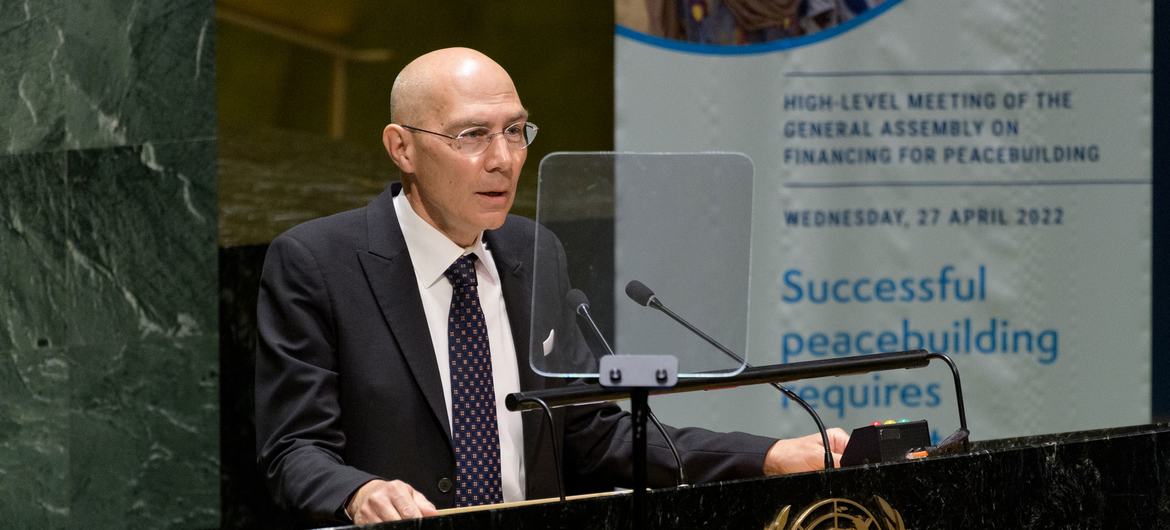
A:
432	253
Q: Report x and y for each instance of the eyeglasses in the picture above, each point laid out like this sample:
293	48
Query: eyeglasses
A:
476	140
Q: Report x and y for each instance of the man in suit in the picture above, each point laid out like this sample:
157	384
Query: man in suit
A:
390	334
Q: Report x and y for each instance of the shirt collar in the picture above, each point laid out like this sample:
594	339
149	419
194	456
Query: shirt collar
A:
432	252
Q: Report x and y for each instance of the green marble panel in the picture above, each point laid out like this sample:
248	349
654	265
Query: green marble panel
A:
94	73
31	114
108	306
34	438
142	242
143	434
33	209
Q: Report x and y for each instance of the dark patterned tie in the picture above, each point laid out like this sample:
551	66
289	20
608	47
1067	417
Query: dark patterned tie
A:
473	394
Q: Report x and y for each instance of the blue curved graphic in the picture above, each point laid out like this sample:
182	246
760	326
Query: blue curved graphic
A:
763	47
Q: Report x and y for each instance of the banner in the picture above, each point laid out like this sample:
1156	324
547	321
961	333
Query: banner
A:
972	178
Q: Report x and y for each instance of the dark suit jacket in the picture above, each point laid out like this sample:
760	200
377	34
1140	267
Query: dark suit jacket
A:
348	390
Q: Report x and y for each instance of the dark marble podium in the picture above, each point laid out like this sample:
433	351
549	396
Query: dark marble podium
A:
1113	478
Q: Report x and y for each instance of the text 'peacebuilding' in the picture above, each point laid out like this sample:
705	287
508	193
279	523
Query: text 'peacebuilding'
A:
965	334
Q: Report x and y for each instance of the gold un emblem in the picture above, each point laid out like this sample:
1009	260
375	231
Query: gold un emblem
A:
840	514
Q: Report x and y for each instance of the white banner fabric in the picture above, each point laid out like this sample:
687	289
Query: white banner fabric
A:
972	178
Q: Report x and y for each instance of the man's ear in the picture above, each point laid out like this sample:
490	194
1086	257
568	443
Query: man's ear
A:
400	146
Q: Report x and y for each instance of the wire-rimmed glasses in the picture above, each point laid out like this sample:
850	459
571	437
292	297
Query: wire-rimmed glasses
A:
476	140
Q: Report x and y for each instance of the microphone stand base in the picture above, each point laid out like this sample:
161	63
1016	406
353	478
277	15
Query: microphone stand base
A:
639	374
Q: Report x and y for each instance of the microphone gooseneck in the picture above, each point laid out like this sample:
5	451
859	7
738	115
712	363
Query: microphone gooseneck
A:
640	293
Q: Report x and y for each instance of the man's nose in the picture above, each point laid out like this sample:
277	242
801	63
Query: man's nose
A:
498	156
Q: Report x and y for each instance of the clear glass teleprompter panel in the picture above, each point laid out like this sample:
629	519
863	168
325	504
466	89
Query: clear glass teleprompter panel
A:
678	223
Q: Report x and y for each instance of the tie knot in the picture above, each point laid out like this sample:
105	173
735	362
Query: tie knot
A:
462	272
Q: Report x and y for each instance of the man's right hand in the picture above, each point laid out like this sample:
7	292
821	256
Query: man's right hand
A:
380	500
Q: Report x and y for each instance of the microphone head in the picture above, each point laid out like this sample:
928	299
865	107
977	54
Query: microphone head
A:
638	292
577	300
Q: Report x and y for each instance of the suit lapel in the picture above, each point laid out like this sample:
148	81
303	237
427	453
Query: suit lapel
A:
390	275
515	282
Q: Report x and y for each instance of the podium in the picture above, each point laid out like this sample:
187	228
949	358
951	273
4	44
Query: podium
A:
1109	478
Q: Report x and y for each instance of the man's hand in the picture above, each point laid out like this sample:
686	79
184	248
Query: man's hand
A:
379	500
806	453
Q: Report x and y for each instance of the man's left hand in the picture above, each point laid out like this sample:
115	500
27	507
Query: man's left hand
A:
807	453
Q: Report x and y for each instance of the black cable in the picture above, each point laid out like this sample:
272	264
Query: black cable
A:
552	429
783	389
682	475
639	293
577	299
963	434
816	417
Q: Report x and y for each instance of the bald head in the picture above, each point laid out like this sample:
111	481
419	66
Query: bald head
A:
436	98
423	88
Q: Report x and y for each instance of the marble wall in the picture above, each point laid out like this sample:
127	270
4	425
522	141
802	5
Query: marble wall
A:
109	415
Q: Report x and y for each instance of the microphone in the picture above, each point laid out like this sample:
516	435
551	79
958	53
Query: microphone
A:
638	292
578	301
580	304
